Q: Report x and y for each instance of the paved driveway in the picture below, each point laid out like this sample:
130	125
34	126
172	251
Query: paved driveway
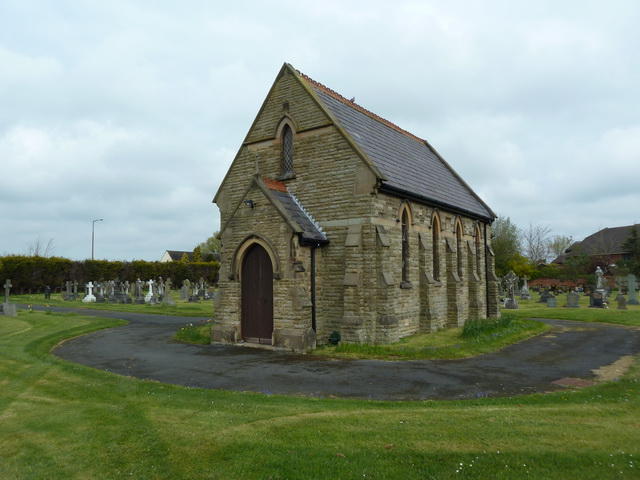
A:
144	349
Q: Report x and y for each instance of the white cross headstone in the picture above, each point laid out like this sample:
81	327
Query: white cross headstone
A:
149	295
90	297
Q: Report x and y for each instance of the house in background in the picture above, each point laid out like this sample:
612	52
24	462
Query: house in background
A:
334	219
604	246
175	256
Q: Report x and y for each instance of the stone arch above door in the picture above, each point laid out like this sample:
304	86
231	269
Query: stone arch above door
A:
242	248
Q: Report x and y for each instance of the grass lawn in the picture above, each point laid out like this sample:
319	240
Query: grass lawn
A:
182	308
64	421
532	309
444	344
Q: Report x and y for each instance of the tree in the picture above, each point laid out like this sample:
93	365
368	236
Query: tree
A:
558	244
522	266
505	243
210	246
38	248
197	254
535	242
631	246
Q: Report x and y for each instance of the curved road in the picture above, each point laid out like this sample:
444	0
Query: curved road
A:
144	349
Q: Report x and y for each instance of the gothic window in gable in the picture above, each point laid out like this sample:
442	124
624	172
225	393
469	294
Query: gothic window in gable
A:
287	150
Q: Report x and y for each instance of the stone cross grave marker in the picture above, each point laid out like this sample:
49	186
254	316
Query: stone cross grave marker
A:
89	297
149	295
511	302
524	291
7	290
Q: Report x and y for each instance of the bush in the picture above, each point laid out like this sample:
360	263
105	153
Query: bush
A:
32	274
334	338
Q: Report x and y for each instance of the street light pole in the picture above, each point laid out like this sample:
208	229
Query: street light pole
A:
93	234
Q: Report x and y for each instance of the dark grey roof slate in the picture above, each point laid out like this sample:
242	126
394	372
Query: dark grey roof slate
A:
408	163
310	231
605	241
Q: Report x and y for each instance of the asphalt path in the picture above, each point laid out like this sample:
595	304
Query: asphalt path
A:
144	349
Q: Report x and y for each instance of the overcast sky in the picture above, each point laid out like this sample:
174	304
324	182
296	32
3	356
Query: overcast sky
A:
132	110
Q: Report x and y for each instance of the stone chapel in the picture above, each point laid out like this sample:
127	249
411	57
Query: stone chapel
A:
334	219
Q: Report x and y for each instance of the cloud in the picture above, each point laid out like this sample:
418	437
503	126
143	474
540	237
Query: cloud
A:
133	111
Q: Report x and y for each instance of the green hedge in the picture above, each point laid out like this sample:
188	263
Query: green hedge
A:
32	274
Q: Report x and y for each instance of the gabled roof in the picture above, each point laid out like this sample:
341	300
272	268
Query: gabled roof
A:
310	231
409	165
606	241
176	255
289	207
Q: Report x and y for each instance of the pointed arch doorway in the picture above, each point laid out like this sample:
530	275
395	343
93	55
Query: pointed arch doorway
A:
257	295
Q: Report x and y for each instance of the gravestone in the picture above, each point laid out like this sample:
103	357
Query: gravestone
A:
89	297
160	288
100	291
573	298
596	300
524	291
511	302
7	290
631	285
126	293
201	289
544	296
184	291
622	302
139	292
151	297
552	301
8	309
111	291
167	298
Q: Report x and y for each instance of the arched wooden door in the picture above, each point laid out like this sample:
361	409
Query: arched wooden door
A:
257	296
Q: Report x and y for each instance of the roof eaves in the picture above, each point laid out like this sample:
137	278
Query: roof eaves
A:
429	201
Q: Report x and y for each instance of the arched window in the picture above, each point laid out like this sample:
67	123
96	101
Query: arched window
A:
459	249
405	246
287	150
435	228
478	252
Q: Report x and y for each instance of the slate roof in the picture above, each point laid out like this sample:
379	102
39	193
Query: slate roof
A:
309	229
409	164
176	255
606	241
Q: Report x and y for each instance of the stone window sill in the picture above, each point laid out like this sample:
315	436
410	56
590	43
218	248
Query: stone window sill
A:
406	284
286	176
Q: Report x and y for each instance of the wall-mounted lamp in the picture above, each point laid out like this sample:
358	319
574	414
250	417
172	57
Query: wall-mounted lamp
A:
250	203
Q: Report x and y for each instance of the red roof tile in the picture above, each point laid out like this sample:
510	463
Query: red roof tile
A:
275	185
